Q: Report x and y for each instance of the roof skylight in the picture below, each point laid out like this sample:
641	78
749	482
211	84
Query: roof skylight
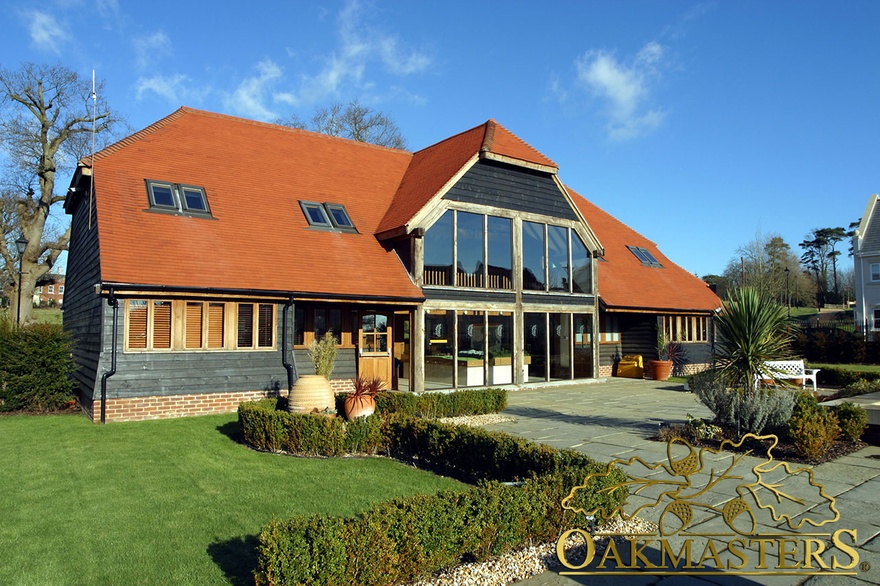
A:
327	215
645	256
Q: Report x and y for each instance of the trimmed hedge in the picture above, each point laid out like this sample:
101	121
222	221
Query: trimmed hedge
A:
458	403
842	377
266	427
407	538
404	539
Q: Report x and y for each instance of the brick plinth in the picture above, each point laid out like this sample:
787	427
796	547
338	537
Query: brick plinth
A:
166	407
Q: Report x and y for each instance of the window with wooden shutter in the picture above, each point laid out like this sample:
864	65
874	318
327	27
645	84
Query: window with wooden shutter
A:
137	324
245	325
194	325
161	324
265	326
216	316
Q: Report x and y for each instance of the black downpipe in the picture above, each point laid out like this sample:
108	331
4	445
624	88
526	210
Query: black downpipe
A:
114	303
287	365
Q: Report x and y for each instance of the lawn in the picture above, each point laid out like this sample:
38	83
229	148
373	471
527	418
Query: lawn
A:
162	502
853	367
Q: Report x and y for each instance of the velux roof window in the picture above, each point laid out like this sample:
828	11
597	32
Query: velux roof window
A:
645	257
176	197
327	215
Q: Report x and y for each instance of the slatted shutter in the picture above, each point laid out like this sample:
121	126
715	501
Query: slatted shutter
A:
194	325
161	324
216	314
265	326
137	324
245	325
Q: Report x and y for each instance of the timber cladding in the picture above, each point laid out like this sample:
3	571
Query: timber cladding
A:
502	186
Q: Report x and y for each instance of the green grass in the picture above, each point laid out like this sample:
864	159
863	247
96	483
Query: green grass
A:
162	502
48	315
852	367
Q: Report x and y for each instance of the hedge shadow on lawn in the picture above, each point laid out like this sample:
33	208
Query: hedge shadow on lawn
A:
232	430
237	558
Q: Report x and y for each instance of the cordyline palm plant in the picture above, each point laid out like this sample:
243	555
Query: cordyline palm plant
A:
752	329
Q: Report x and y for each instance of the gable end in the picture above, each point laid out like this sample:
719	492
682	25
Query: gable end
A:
495	184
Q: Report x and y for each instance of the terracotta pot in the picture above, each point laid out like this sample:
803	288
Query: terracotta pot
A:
310	392
359	406
660	369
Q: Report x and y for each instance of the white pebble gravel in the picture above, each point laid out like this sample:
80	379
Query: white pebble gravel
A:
529	561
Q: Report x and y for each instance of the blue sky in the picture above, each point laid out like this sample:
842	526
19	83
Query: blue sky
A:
699	124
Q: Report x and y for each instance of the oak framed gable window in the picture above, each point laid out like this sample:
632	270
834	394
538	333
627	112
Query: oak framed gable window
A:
177	197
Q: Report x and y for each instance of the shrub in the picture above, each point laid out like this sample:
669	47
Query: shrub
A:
267	428
860	387
852	419
743	410
813	431
323	354
35	367
470	402
844	377
406	538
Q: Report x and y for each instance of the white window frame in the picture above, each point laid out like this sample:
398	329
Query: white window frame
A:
875	271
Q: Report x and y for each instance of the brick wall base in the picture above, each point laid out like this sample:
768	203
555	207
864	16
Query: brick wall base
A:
167	407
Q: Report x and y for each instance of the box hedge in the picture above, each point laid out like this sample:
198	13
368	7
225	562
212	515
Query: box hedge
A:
517	501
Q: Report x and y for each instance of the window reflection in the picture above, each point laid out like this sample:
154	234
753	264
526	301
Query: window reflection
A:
533	256
557	258
438	251
470	249
500	253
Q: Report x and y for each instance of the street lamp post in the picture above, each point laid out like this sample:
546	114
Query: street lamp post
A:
21	245
787	292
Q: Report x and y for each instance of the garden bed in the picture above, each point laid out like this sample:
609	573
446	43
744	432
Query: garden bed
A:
784	450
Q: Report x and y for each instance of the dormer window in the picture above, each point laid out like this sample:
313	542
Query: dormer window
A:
327	215
176	197
645	257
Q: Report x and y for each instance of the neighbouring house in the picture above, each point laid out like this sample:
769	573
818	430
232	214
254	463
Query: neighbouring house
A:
866	259
49	291
208	251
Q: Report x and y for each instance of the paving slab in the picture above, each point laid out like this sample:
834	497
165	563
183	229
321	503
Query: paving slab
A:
616	419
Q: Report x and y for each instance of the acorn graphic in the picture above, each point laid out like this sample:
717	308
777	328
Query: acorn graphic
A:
675	517
683	466
738	515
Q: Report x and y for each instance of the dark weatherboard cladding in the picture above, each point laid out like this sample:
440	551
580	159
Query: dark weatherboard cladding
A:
499	185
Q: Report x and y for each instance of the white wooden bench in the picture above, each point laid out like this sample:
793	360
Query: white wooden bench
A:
788	370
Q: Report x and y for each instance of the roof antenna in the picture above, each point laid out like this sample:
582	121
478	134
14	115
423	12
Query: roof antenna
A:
94	97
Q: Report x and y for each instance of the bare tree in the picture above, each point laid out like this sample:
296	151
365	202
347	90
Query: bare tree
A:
47	116
353	121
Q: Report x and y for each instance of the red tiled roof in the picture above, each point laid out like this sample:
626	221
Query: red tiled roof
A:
625	283
254	175
434	166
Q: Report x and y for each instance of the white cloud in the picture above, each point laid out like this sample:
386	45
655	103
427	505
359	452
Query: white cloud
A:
250	97
176	89
626	89
45	31
359	47
151	47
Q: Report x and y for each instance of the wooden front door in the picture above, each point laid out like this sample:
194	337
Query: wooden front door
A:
374	347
